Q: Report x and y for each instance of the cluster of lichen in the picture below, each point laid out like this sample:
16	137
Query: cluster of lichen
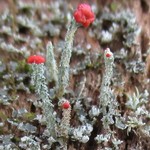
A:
101	116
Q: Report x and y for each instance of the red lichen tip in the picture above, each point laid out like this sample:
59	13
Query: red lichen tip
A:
37	59
108	53
84	14
66	105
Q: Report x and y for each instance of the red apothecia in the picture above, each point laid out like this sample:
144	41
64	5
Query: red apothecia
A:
66	105
37	59
108	53
84	15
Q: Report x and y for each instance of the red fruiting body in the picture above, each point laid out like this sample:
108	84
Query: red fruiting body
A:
108	54
37	59
66	105
84	15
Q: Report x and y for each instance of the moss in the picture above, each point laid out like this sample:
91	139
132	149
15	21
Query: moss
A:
15	140
113	6
29	116
1	129
23	66
3	116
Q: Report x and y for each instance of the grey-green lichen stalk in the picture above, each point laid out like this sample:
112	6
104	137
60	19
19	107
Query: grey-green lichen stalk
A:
39	80
105	90
109	105
65	123
105	87
52	71
63	72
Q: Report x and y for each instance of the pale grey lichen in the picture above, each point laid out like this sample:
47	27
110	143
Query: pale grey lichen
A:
6	142
35	43
87	115
102	138
19	38
135	66
121	54
63	72
120	123
9	48
94	111
136	102
6	30
116	143
108	103
52	72
13	122
19	113
21	86
106	36
55	6
52	30
81	133
112	25
65	127
80	112
30	24
134	122
145	130
137	99
1	124
39	80
5	99
26	7
28	143
26	127
105	138
141	111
